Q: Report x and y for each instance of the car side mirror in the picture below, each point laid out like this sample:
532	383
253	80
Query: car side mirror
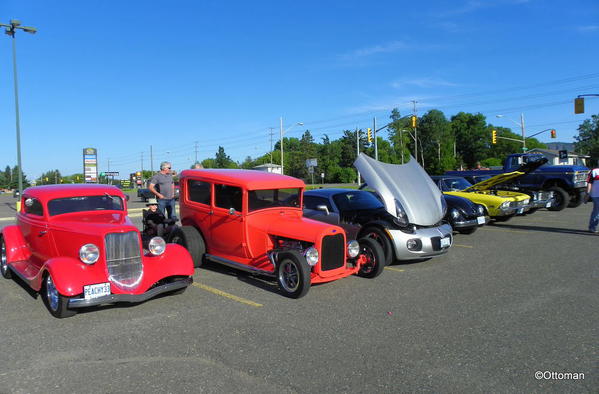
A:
232	211
127	197
323	208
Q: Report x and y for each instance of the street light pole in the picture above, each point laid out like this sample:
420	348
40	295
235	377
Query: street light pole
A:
522	128
10	30
282	132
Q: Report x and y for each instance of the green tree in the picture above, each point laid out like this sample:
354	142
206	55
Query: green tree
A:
471	136
436	141
222	160
587	140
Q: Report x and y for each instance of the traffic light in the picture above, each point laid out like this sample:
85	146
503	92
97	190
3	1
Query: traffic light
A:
369	132
494	136
414	121
553	134
579	105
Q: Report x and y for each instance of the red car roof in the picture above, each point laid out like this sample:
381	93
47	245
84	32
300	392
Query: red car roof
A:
250	179
50	192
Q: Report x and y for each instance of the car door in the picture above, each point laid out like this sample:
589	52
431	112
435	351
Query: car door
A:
36	232
227	227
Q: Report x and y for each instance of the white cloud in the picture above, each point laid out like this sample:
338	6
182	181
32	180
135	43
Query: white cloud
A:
393	46
588	28
427	82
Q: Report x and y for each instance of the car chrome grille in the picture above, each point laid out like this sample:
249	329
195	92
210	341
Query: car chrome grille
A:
123	259
333	252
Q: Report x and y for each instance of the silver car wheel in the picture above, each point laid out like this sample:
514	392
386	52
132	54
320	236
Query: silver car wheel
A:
3	263
289	276
52	294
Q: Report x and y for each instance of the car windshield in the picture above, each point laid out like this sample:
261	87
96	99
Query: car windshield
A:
455	184
85	203
356	200
273	198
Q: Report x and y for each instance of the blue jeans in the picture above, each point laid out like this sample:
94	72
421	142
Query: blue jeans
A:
594	215
167	206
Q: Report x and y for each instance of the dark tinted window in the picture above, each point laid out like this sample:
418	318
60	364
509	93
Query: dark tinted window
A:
271	198
311	202
33	206
199	191
355	200
85	203
227	197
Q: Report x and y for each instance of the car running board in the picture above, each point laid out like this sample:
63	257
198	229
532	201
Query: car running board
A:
239	266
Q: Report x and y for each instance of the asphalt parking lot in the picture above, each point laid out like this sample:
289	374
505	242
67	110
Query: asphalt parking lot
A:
508	301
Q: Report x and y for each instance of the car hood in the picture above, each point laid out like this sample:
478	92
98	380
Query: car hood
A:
407	183
93	223
494	181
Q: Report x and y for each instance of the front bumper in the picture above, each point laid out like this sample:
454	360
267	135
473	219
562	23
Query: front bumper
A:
428	236
133	298
469	223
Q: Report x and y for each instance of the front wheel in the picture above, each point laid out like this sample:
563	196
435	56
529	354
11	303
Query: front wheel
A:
382	239
192	240
56	303
6	273
293	274
371	258
576	200
561	198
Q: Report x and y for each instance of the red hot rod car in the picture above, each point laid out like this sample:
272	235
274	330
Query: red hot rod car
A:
252	220
75	245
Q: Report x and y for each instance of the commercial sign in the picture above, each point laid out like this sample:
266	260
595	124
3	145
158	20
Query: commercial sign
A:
90	165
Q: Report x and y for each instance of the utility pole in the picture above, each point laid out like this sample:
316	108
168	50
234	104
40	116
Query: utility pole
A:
271	134
401	139
108	171
142	167
358	149
415	133
196	151
523	131
151	160
282	165
376	148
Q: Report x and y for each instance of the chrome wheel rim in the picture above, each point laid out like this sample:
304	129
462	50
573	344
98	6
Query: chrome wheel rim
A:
3	263
51	293
289	276
368	265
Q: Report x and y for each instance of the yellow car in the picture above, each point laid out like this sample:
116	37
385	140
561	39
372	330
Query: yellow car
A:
500	204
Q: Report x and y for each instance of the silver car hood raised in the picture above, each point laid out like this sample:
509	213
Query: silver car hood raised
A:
408	183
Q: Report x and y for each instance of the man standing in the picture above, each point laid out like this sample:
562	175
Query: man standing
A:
593	193
163	187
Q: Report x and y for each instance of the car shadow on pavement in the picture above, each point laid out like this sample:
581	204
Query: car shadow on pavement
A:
11	205
260	282
547	229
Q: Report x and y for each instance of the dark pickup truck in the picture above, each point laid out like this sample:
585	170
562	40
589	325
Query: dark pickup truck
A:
567	182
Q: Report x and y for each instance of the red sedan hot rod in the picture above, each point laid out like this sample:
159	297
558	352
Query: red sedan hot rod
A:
75	245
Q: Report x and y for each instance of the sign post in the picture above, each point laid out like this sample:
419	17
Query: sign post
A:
90	165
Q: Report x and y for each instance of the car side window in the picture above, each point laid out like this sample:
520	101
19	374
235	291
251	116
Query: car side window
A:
33	206
311	202
199	191
443	186
227	197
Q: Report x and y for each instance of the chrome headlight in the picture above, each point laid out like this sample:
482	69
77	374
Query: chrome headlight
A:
481	210
400	214
353	248
527	201
89	253
504	205
311	255
157	246
454	213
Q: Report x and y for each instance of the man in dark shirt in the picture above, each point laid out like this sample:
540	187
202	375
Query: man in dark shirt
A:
163	187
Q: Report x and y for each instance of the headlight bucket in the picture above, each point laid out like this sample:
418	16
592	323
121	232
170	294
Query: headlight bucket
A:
89	254
400	214
353	248
157	246
311	255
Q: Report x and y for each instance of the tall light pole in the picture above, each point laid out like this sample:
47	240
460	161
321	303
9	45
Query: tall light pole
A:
522	128
282	132
11	28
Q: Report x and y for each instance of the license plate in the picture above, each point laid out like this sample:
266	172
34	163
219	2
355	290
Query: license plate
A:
548	204
95	291
445	242
480	220
520	210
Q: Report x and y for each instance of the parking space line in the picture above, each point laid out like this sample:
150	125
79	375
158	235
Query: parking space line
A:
394	269
463	246
227	295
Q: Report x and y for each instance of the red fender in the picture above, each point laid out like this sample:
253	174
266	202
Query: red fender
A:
16	247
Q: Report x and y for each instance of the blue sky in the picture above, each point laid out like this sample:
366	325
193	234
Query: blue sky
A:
123	75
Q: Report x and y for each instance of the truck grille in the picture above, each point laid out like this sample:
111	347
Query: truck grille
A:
123	259
333	252
581	176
